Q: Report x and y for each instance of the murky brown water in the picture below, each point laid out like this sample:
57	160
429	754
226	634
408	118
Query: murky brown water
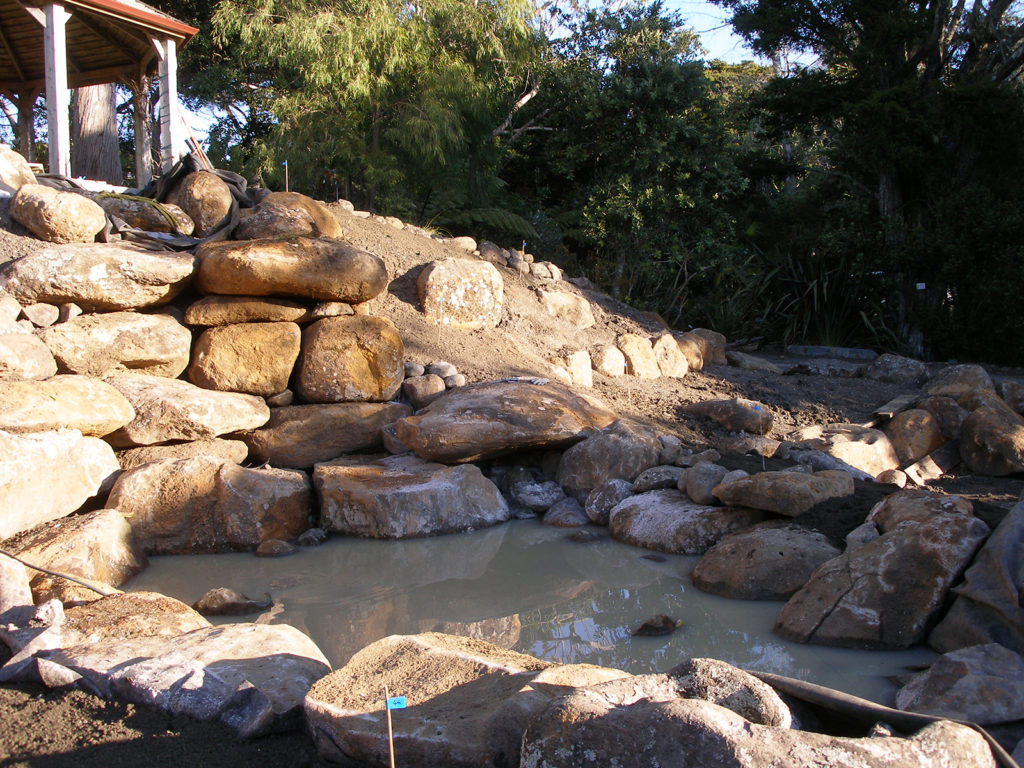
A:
525	586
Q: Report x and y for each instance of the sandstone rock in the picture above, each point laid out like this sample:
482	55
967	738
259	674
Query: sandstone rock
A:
10	311
916	506
98	276
89	405
461	293
206	199
983	684
468	701
492	418
692	348
671	361
895	477
324	309
222	601
957	380
786	493
275	548
609	360
24	357
569	307
689	459
987	608
183	506
441	368
992	442
567	513
605	497
948	414
217	448
896	369
300	436
661	476
228	310
14	170
536	496
41	315
667	521
171	409
328	270
252	677
281	399
495	254
1012	393
128	616
97	546
621	450
711	343
458	380
254	358
463	243
15	592
887	593
545	270
285	214
639	354
868	450
346	359
752	363
735	414
699	481
149	216
656	730
116	342
723	684
914	434
55	215
402	496
766	562
577	368
422	390
46	475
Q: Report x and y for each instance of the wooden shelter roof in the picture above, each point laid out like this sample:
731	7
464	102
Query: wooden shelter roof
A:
106	40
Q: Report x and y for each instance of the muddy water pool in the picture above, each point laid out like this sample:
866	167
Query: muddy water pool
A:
525	586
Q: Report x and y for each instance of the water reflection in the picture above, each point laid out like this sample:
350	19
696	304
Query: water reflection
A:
525	586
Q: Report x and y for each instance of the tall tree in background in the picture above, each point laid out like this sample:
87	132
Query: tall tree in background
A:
95	153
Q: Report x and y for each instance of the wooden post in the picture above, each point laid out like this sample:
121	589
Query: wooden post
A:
143	130
172	133
55	53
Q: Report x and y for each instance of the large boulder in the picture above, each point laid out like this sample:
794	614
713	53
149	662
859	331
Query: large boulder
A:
620	451
639	353
398	497
787	493
255	358
97	547
468	702
148	215
98	276
89	405
568	307
183	506
24	356
171	409
14	171
896	369
983	684
692	349
667	521
300	436
888	592
735	414
957	380
671	361
117	342
493	418
863	448
350	359
916	505
766	562
992	441
56	215
228	310
207	200
285	214
461	293
46	475
327	270
988	608
711	344
914	434
626	729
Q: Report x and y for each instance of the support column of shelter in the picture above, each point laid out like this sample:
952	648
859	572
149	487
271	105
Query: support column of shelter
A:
57	125
172	130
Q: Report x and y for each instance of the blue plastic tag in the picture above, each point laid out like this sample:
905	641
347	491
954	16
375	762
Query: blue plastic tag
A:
396	702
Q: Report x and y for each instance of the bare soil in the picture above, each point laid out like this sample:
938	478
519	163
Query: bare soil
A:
40	727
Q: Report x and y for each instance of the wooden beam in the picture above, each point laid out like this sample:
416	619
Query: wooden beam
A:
172	134
935	464
10	52
55	49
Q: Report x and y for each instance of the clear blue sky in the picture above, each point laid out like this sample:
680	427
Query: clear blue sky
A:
709	21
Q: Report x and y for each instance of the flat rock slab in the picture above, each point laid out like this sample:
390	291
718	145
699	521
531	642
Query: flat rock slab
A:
667	521
171	409
215	447
46	475
252	677
787	493
227	310
402	496
468	702
300	436
89	405
304	268
886	593
493	418
118	342
98	276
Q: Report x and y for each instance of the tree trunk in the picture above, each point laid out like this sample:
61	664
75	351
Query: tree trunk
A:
94	149
142	107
